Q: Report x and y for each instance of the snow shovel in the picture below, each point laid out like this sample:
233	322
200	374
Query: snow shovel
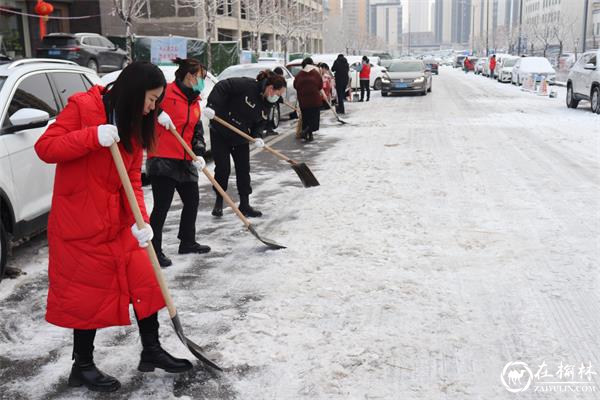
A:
271	244
304	173
135	209
332	109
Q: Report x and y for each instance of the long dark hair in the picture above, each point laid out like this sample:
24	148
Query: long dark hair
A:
271	78
187	66
126	97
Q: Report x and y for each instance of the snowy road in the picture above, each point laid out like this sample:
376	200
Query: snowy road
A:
451	234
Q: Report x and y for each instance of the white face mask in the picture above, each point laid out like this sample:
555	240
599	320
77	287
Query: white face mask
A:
272	99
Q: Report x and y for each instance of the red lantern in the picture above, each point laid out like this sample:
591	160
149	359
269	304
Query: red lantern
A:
43	9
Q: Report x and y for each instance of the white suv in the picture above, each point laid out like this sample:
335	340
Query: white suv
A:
583	82
32	93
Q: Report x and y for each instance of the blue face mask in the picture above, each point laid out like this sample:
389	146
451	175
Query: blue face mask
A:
199	86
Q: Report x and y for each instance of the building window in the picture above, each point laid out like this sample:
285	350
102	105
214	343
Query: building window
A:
11	35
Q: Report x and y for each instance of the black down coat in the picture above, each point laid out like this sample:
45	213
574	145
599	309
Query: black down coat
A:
240	102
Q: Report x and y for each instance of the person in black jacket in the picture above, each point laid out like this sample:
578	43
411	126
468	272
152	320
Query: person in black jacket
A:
341	69
244	103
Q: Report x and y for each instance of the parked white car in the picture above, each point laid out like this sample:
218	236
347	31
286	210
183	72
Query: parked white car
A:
536	67
252	71
375	77
503	70
32	92
479	68
583	82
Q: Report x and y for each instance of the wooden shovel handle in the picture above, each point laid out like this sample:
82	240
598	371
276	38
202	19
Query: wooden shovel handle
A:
139	221
211	179
252	140
292	107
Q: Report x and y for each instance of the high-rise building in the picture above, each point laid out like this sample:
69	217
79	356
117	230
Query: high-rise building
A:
442	22
461	21
385	22
419	14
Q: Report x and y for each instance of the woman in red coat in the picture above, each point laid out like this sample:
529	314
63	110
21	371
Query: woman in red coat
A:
97	265
308	84
169	167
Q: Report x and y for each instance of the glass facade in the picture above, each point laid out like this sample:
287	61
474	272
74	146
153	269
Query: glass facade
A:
11	35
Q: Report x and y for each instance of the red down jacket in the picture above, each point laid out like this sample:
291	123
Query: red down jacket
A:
96	268
184	115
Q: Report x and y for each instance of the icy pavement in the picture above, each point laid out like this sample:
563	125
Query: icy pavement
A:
451	235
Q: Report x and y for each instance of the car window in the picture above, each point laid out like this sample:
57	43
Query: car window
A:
86	41
106	43
33	92
94	41
68	83
592	59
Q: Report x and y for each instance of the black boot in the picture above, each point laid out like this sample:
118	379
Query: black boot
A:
153	356
306	133
85	373
310	137
194	247
163	260
218	208
246	209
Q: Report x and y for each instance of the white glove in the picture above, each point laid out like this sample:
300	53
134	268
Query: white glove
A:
209	112
107	135
199	163
165	120
143	235
259	143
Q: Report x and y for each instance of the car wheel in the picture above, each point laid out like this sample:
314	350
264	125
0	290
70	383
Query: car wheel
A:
571	102
595	99
384	94
3	249
125	63
275	115
377	84
92	64
430	88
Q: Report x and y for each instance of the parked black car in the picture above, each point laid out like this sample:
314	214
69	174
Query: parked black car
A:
87	49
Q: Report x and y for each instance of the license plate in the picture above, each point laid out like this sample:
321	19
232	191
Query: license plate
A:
54	52
401	85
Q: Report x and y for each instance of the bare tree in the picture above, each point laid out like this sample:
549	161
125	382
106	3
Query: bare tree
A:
129	11
208	11
544	33
260	14
292	18
563	31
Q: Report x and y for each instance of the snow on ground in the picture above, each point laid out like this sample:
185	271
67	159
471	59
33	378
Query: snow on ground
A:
451	234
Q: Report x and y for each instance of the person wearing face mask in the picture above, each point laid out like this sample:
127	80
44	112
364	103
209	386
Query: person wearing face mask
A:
169	167
245	104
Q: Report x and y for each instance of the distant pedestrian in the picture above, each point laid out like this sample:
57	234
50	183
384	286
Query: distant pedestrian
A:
492	66
467	65
308	84
365	78
341	69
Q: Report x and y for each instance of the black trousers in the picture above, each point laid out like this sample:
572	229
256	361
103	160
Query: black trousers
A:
163	189
221	152
83	339
311	118
341	94
364	85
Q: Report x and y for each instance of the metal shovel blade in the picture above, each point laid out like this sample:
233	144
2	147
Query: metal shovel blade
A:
270	244
193	347
305	174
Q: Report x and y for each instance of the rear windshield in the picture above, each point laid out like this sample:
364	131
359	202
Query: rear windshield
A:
58	41
248	72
